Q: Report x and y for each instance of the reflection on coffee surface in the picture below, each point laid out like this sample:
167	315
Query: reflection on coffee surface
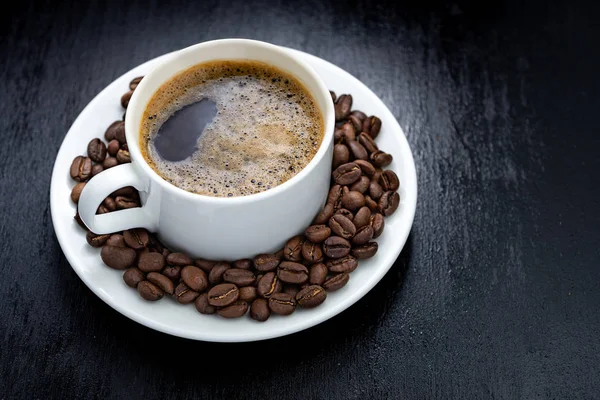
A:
230	128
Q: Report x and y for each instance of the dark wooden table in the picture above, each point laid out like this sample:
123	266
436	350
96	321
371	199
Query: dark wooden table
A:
497	292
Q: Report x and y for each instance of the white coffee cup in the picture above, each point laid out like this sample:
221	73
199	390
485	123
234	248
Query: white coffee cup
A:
217	228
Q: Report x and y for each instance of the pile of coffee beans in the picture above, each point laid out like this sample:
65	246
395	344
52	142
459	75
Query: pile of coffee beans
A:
311	264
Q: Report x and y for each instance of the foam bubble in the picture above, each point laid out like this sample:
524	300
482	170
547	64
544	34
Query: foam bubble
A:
257	136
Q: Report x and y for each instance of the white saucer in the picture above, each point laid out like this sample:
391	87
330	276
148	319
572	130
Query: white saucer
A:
183	320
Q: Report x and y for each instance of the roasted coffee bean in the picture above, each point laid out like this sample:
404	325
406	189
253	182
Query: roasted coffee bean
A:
216	273
336	247
123	156
388	203
120	137
358	151
203	306
235	310
363	235
389	180
184	294
239	277
367	142
113	147
259	310
164	283
205	265
124	203
194	277
111	131
81	168
336	282
366	127
268	285
291	289
377	175
151	262
346	213
333	96
96	150
125	99
116	240
365	251
375	190
155	244
223	295
110	204
179	259
96	169
118	257
96	240
248	294
342	226
245	263
362	217
279	254
311	296
356	122
136	238
134	82
293	249
372	204
361	185
317	233
381	158
144	250
375	126
366	168
348	133
345	264
266	262
335	196
323	216
149	291
127	191
282	304
312	252
347	174
377	222
109	162
77	219
291	272
317	274
338	135
133	276
102	210
173	272
76	192
341	155
353	200
342	107
359	114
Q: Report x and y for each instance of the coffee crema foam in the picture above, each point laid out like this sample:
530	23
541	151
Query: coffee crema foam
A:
267	128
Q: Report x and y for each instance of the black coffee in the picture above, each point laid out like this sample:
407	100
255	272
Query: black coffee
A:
230	128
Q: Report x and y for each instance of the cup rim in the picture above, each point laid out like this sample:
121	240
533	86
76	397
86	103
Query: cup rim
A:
328	125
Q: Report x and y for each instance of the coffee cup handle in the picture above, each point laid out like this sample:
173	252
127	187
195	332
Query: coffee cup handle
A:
103	184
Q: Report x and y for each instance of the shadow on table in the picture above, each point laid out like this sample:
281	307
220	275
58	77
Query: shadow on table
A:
356	325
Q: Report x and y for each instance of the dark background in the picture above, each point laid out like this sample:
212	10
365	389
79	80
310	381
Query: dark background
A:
497	291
